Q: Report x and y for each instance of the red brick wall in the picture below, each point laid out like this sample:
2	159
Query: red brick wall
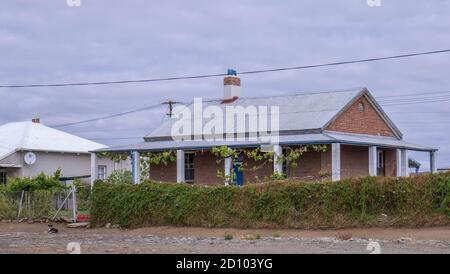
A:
205	168
354	161
308	165
255	171
326	160
366	122
391	163
311	164
162	173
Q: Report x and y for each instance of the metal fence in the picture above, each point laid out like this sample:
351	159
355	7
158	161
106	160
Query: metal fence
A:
43	204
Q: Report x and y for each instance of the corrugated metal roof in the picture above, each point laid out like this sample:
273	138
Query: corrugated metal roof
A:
300	139
297	112
38	137
359	139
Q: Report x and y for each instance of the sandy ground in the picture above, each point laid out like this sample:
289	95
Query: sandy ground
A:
33	238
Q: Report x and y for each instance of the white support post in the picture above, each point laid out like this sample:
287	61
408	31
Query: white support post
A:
93	168
180	166
335	162
373	161
227	171
404	163
398	161
433	166
136	167
277	164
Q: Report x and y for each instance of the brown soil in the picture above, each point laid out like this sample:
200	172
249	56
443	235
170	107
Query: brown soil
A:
33	238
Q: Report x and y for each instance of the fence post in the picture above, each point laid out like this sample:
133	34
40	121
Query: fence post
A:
20	206
74	203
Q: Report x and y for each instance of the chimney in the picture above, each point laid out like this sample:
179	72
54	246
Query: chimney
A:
36	120
231	86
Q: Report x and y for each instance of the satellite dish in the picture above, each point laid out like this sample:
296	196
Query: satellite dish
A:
29	158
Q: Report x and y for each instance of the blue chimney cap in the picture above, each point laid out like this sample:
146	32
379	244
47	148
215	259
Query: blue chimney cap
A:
232	72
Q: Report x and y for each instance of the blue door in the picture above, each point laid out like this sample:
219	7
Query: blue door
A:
239	174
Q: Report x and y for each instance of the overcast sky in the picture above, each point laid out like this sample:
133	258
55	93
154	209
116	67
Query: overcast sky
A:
102	40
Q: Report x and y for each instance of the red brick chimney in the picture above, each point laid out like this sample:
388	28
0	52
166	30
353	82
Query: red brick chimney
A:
231	86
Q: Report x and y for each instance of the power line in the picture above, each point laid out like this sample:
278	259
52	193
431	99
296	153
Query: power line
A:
416	102
414	94
419	112
117	138
423	97
108	116
170	103
223	74
111	130
386	103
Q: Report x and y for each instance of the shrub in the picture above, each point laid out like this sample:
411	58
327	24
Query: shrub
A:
40	182
368	201
83	194
120	177
228	236
8	208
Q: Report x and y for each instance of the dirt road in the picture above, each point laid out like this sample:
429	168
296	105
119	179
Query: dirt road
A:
33	238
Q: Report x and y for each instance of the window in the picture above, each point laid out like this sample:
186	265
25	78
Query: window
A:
361	107
3	176
189	167
101	175
381	163
285	162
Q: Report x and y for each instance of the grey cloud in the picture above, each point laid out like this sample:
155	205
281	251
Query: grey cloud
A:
47	41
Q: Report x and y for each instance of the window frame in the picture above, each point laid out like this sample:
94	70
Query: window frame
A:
285	165
104	173
3	176
381	162
189	167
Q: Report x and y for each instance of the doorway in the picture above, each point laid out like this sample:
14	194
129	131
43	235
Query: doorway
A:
381	163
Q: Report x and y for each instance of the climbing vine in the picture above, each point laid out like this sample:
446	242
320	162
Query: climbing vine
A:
291	157
147	159
114	156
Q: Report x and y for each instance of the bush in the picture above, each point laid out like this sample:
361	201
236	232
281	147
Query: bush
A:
369	201
120	177
40	182
83	194
40	196
8	208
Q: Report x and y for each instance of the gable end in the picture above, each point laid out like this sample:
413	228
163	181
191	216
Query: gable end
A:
362	117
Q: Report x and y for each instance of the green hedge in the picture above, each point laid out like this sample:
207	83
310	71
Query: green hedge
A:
369	201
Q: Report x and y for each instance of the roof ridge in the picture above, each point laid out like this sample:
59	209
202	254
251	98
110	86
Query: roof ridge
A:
291	94
26	134
283	94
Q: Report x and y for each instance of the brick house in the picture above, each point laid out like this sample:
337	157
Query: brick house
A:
359	138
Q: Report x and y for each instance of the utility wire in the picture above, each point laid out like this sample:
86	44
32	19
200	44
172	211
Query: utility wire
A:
415	102
108	116
386	103
223	74
414	94
117	138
